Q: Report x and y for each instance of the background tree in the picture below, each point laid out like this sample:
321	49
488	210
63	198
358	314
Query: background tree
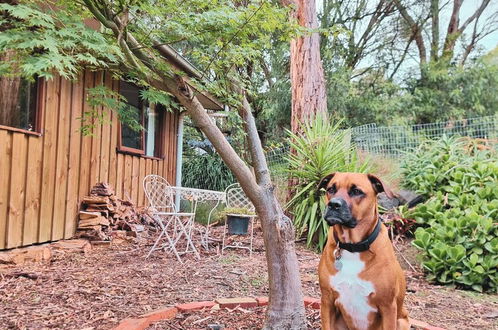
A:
220	39
437	43
309	96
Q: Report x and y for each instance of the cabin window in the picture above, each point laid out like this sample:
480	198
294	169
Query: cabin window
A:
149	141
19	103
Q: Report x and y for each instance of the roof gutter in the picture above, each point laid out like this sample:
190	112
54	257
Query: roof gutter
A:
171	54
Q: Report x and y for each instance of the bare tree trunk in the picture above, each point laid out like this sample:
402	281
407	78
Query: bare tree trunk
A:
309	95
285	308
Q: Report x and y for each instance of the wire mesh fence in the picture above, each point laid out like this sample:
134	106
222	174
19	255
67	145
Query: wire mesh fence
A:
395	141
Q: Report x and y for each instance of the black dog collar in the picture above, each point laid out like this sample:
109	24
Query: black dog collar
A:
361	246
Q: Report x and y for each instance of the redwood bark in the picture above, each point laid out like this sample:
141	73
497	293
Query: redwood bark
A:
309	95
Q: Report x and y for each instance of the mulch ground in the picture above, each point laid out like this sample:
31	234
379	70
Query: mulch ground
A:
227	319
110	283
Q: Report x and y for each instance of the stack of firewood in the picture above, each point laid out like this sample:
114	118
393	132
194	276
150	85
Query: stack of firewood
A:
104	216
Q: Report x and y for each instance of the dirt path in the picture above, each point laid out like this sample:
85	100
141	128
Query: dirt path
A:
98	289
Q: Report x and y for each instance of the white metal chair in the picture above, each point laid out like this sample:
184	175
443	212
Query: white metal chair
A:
174	225
235	197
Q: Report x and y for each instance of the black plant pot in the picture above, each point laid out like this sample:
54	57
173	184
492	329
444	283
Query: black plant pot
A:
237	224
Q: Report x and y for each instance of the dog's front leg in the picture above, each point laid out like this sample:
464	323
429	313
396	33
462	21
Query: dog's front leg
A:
388	316
327	314
330	318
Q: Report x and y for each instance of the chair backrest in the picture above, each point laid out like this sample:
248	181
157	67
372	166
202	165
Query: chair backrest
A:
159	193
237	198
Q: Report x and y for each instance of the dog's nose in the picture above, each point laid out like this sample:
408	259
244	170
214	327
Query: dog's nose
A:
336	203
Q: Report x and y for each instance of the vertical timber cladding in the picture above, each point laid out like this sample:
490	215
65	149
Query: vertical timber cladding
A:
43	178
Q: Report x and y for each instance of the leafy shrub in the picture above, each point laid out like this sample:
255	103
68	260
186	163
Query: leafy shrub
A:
322	148
459	240
206	171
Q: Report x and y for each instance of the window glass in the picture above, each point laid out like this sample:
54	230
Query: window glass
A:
147	142
129	137
18	103
151	132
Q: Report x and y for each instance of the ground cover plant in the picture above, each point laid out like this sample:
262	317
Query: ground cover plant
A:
458	236
322	148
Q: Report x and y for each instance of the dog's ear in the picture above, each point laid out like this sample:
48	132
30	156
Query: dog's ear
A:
325	181
379	186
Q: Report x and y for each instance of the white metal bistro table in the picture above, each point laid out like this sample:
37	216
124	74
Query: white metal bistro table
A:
195	195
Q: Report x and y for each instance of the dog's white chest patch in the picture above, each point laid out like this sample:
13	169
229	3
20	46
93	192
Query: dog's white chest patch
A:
353	291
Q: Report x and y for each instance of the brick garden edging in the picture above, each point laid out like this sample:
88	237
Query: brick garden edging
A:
168	313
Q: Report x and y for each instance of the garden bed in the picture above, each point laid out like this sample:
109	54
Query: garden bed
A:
98	289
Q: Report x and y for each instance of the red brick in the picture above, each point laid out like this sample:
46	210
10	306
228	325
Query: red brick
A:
234	302
430	327
262	301
133	324
312	302
418	324
161	314
195	306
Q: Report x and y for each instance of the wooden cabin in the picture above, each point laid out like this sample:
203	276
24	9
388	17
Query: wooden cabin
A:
47	165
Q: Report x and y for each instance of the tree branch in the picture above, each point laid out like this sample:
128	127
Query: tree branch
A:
474	16
416	30
179	88
454	31
435	29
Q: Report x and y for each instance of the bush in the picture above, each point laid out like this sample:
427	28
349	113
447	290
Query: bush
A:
451	92
206	171
459	237
321	149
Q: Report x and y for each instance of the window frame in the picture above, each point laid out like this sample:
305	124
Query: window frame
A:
40	109
158	139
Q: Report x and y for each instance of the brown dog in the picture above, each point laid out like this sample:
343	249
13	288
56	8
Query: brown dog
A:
362	284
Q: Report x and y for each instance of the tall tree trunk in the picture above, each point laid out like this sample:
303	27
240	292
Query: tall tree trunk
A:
309	95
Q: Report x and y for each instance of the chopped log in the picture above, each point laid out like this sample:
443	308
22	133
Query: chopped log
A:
105	216
94	222
99	207
93	234
102	189
88	215
96	200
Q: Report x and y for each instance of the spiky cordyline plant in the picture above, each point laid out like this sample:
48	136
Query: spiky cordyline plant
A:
322	148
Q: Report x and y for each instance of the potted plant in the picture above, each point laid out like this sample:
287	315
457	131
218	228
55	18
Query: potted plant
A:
237	220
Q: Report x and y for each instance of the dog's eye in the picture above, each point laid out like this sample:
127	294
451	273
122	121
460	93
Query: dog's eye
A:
355	192
332	190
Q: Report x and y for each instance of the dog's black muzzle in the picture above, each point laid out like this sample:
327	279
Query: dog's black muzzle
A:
338	213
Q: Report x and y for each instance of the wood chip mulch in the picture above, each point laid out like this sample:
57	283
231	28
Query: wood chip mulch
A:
227	319
98	289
